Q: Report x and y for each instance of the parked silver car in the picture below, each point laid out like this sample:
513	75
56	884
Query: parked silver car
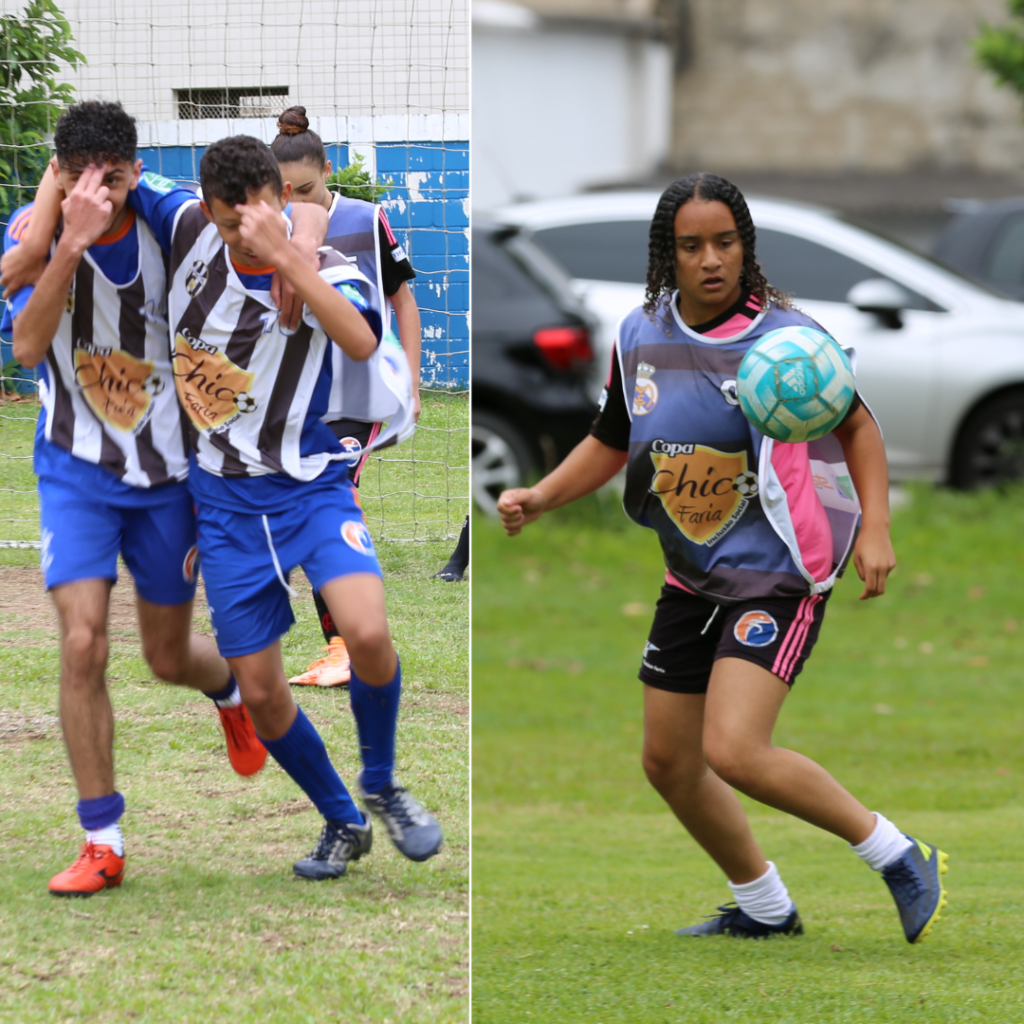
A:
939	359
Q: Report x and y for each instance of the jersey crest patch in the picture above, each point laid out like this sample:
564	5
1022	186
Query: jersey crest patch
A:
117	386
755	629
212	389
704	491
645	391
195	280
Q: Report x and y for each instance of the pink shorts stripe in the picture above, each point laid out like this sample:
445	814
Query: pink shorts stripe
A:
796	637
673	582
794	627
374	433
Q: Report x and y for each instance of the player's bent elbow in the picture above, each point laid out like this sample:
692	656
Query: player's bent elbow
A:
24	351
361	348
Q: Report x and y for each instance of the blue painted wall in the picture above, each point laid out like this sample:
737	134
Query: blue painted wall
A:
427	206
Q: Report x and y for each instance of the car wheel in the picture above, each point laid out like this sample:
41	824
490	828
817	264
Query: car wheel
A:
990	448
501	459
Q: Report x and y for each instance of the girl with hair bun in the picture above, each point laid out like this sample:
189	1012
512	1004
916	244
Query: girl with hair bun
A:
753	540
361	231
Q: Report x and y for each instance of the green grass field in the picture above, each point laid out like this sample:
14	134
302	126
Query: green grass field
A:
210	925
580	874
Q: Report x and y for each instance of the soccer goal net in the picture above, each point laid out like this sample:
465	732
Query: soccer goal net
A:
384	84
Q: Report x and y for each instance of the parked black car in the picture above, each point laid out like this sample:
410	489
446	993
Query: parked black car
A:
531	350
985	241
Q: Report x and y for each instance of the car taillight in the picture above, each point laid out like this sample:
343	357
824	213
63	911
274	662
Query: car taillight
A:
564	347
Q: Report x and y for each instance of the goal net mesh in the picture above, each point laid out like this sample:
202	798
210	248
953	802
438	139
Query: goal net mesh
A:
384	84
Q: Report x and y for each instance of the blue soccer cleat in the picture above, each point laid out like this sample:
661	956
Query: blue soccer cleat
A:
916	885
340	843
731	921
412	829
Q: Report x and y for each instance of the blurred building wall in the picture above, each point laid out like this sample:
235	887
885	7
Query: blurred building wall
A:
563	103
823	86
841	85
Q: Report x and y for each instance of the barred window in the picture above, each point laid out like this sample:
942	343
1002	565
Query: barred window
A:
261	101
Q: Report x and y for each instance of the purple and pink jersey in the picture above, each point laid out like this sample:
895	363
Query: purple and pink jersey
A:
739	516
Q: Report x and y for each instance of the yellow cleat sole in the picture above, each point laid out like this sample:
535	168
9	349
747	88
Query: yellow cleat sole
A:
943	902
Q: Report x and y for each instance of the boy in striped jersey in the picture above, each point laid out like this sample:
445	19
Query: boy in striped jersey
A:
111	460
270	479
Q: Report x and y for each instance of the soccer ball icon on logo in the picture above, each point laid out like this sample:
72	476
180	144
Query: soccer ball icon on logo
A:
154	384
745	484
795	384
245	402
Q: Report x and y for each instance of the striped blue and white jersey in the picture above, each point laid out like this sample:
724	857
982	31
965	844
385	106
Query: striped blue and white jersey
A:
106	382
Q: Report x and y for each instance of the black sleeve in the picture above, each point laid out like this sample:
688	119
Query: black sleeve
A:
854	406
395	268
612	423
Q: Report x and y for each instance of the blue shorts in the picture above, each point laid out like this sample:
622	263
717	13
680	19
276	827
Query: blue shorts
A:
247	558
82	537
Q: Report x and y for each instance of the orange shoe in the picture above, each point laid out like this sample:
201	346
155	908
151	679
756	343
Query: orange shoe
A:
333	670
97	867
245	752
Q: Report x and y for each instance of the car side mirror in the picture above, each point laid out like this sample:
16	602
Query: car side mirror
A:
880	296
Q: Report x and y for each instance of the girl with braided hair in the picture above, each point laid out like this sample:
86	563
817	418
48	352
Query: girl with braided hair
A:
752	545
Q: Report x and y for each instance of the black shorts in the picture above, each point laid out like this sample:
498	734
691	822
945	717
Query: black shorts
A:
690	633
360	432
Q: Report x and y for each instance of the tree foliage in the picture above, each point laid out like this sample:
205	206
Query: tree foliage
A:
32	48
355	182
1000	48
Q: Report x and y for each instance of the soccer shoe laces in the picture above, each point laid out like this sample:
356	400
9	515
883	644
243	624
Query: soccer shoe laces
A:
405	809
904	881
330	836
90	851
727	913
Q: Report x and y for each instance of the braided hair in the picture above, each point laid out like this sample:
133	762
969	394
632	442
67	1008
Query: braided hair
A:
661	260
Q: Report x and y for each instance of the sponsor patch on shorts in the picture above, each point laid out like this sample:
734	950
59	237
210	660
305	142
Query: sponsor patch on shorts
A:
188	567
357	537
350	445
756	629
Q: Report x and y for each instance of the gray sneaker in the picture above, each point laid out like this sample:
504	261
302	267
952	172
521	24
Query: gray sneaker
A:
339	843
413	830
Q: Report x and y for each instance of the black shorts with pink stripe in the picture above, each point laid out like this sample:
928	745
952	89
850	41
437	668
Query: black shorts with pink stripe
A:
690	633
355	435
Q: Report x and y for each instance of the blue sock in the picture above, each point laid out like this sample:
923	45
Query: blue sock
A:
100	811
302	754
376	713
226	694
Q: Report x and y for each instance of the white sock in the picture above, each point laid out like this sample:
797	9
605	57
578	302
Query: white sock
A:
885	844
231	702
765	899
109	836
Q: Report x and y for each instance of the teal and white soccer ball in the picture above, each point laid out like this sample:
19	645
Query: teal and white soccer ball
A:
795	384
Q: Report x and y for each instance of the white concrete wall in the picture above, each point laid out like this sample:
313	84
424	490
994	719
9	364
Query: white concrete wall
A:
556	110
347	58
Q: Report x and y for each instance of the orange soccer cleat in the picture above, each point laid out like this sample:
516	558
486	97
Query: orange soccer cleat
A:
245	752
333	670
97	867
